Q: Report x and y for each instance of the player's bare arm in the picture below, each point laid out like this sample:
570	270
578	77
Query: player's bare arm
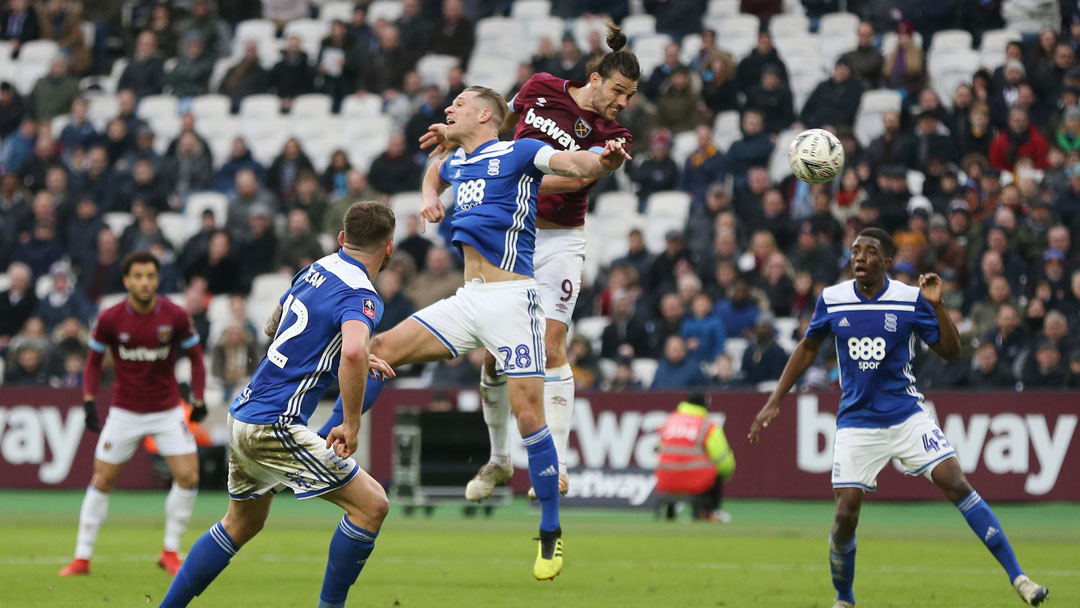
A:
272	323
801	359
352	376
586	164
432	210
557	184
949	344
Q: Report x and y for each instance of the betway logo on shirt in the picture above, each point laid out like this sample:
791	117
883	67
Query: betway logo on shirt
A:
142	353
552	130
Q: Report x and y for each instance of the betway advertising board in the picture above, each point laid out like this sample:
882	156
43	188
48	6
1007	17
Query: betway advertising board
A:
1016	447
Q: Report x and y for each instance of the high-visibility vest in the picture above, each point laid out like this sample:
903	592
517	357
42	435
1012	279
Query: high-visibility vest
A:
684	467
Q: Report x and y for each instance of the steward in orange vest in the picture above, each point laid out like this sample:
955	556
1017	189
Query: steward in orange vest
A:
695	458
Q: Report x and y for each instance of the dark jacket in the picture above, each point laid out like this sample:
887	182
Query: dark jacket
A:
833	103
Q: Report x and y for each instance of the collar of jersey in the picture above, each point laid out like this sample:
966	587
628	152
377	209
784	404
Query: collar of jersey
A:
131	309
480	148
862	298
345	257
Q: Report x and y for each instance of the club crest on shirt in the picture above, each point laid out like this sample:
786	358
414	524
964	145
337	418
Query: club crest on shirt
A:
369	308
582	128
493	166
890	322
164	333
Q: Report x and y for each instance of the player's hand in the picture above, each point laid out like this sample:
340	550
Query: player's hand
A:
436	136
379	369
433	211
930	286
90	410
342	440
762	420
198	411
613	155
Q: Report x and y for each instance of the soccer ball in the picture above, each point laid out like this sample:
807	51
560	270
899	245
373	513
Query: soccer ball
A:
816	156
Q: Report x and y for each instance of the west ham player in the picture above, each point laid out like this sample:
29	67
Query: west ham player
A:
144	333
323	324
875	321
495	188
568	115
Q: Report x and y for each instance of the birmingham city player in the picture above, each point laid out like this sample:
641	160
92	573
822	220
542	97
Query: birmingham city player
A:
875	321
144	333
495	185
323	324
568	115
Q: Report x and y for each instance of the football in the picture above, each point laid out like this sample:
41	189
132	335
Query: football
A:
816	156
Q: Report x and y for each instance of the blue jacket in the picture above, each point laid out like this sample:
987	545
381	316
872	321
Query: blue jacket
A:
736	319
683	375
710	332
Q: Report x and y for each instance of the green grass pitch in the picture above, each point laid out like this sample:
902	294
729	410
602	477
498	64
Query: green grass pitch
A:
773	554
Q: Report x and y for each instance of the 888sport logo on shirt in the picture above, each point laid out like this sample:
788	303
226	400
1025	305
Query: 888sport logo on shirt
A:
869	352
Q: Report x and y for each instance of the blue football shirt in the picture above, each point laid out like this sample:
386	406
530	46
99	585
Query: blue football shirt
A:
875	343
303	359
495	191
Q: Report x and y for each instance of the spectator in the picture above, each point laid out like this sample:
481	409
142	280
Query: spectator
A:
292	76
82	230
984	312
104	274
703	331
1067	136
53	93
753	150
220	267
300	247
397	307
233	359
657	172
414	30
570	63
414	245
865	59
942	251
394	170
776	219
987	372
680	107
978	135
145	74
719	88
196	302
146	186
438	280
309	198
668	323
702	225
79	133
283	173
392	62
259	249
240	160
17	147
191	167
931	141
905	66
18	302
1020	140
834	101
1007	93
1043	368
773	99
1056	331
661	275
546	59
245	78
763	359
709	49
775	281
63	300
1073	380
624	378
284	11
334	178
676	18
677	370
337	67
165	30
12	109
753	65
28	366
637	256
248	194
454	35
358	190
211	29
44	157
663	72
190	77
187	125
738	310
1009	337
19	24
42	250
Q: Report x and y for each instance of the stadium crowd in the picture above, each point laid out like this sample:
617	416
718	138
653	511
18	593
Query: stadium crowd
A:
977	176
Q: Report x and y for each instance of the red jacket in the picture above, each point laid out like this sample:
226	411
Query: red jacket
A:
1036	149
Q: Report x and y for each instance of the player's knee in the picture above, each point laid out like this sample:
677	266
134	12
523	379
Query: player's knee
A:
846	518
379	508
529	420
103	481
378	346
555	345
188	480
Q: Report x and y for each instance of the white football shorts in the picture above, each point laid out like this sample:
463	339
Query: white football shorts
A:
269	457
557	265
124	430
506	318
860	454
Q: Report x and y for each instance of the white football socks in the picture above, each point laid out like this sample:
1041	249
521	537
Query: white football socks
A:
559	408
95	507
178	507
496	404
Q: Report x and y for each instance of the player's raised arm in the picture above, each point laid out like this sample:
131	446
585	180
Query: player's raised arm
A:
583	164
949	344
430	189
352	377
800	360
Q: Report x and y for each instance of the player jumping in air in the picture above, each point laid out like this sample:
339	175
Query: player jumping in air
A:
144	333
499	308
323	323
875	321
568	115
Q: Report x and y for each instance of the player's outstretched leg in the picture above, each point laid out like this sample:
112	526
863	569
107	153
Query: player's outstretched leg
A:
371	393
178	506
950	478
212	552
95	507
496	403
559	412
366	506
842	545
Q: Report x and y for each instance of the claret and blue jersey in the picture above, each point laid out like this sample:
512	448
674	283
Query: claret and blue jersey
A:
303	359
495	191
875	343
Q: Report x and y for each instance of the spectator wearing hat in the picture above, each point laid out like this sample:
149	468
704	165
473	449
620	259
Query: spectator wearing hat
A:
680	107
1021	139
1067	136
865	58
658	171
834	101
942	251
63	300
677	369
753	65
932	141
1043	368
1006	94
987	373
905	66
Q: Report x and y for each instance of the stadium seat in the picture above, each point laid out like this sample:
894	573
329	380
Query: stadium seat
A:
5	52
797	50
737	34
785	332
220	150
153	106
260	106
650	50
656	228
591	328
645	370
176	228
221	67
310	32
198	201
950	40
842	24
210	106
117	221
218	127
734	348
311	105
915	181
684	145
495	72
166	128
786	24
43	286
406	203
219	314
889	40
58	123
992	49
723	8
726	129
433	69
389	10
834	45
496	28
266	138
361	106
669	203
259	30
270	285
530	9
779	167
873	104
582	27
638	25
33	63
949	68
804	78
369	136
689	48
622	204
101	109
342	10
537	28
612	249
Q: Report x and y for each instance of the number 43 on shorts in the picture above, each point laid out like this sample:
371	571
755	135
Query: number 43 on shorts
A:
514	358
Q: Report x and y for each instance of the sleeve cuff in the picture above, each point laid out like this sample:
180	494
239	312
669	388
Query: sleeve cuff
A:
190	342
543	159
96	346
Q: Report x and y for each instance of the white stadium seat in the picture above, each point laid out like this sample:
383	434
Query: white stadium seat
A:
198	201
786	24
176	228
951	68
33	63
260	106
656	228
310	32
270	286
650	50
734	348
530	9
838	23
361	106
259	30
737	34
804	78
582	27
433	69
341	10
690	47
645	370
153	106
311	105
210	106
622	204
889	41
992	49
683	146
219	127
638	25
797	50
779	168
117	221
723	8
389	10
951	40
726	129
668	204
406	203
834	45
544	27
591	328
872	106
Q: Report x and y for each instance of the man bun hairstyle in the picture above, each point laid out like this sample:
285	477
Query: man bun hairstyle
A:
619	60
888	246
369	225
139	257
493	101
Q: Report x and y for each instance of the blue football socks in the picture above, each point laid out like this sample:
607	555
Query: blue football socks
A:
986	526
207	558
371	393
544	475
350	548
842	565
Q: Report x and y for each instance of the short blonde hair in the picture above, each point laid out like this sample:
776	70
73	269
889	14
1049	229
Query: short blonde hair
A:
493	101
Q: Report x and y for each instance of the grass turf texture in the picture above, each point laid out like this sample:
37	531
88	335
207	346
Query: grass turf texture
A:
773	554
